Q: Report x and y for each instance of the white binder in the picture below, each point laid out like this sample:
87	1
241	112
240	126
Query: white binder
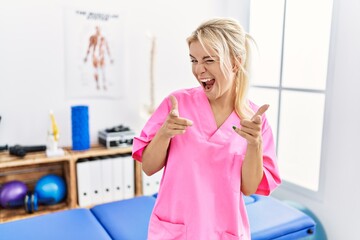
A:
106	179
156	180
96	184
146	184
151	183
117	177
129	180
83	182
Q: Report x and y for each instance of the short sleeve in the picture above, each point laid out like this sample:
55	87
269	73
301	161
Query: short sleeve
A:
271	178
150	129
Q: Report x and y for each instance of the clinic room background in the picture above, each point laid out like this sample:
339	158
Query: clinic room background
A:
34	78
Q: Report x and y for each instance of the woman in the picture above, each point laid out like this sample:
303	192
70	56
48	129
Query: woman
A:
214	144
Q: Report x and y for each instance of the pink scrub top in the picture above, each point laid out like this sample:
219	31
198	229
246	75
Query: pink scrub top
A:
199	196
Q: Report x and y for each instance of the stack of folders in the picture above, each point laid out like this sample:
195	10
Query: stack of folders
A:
151	184
105	179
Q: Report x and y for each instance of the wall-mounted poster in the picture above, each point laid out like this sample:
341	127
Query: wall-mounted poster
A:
94	50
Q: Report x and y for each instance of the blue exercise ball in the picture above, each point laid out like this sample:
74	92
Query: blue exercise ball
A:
50	189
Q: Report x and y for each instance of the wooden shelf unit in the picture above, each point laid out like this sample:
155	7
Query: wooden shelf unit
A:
35	165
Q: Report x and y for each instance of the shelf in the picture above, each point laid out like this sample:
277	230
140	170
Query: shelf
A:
99	150
29	170
7	160
35	165
8	215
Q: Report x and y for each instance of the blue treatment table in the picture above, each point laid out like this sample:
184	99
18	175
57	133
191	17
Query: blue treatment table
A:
128	220
272	219
69	224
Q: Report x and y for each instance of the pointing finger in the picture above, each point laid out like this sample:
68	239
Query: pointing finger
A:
260	111
174	106
175	113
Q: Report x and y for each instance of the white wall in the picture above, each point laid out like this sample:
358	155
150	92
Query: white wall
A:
32	64
338	204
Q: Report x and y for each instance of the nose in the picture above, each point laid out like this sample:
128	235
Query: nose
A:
200	68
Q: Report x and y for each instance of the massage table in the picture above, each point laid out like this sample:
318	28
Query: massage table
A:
128	220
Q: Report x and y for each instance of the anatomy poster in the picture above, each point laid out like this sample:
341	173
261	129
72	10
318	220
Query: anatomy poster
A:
94	51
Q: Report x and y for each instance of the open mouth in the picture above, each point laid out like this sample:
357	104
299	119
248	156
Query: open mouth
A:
207	83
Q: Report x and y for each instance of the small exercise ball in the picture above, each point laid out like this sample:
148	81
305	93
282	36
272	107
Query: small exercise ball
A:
50	189
12	194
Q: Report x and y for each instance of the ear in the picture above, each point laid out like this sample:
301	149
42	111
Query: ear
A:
235	68
236	64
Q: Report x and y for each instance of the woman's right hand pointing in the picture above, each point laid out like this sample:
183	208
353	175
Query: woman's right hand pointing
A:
174	124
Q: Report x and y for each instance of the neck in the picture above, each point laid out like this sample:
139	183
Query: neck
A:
225	102
222	108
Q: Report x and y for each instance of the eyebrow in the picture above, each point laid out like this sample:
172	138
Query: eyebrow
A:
205	57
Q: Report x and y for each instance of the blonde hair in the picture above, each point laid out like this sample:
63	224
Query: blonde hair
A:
231	43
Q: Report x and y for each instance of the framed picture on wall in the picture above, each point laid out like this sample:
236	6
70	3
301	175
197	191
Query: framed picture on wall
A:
94	53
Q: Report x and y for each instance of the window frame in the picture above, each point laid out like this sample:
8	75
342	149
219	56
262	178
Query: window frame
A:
287	185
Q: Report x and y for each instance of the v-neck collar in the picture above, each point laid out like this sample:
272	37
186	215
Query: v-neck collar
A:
209	128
